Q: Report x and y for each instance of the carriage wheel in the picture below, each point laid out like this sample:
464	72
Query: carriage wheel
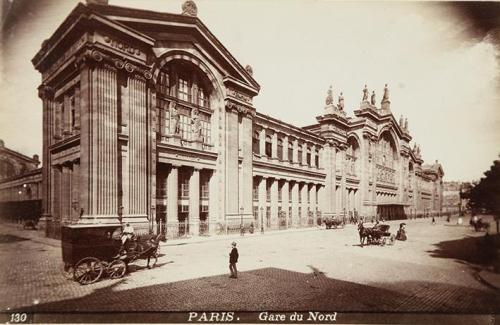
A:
68	271
88	270
117	269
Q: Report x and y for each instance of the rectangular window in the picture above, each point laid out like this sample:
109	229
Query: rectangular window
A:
290	153
269	149
164	83
183	208
268	193
185	127
183	187
256	145
280	149
203	98
316	160
255	191
205	193
204	208
183	92
308	158
300	212
268	217
300	156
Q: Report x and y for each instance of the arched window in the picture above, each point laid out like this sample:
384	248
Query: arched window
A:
280	149
256	143
269	146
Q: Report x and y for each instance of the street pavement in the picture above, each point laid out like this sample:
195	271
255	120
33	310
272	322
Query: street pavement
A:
435	270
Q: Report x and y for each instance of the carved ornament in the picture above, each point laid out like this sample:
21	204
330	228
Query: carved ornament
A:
235	94
97	56
241	109
45	92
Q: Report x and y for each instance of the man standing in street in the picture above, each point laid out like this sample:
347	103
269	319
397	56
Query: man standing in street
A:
233	259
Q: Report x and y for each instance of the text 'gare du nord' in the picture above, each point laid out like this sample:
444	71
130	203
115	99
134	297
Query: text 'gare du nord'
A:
147	115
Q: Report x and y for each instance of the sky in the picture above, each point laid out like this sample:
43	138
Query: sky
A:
440	60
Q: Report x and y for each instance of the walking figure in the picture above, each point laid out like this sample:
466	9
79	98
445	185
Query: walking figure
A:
233	259
433	220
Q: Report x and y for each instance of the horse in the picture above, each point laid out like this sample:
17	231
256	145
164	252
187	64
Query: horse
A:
145	247
364	233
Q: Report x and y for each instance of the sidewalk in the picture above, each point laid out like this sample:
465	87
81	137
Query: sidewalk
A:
34	235
229	237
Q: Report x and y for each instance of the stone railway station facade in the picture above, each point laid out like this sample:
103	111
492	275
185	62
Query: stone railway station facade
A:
147	115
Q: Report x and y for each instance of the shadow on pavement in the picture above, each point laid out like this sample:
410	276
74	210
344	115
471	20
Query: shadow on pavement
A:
471	250
5	239
284	290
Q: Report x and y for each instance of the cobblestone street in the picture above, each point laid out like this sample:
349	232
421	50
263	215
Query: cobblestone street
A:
314	269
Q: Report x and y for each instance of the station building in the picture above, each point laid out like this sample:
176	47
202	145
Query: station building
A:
147	116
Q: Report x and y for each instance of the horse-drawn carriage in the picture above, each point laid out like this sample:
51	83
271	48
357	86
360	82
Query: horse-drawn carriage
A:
333	222
91	251
376	235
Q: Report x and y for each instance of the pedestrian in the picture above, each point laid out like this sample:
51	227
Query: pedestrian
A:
433	220
233	259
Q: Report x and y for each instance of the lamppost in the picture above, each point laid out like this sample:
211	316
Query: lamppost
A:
241	222
261	220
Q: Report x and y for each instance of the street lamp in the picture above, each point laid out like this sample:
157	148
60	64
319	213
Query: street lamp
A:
261	220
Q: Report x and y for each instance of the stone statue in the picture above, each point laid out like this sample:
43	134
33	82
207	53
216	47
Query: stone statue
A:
249	69
373	98
196	123
329	96
406	124
401	121
174	118
365	94
189	8
341	102
386	94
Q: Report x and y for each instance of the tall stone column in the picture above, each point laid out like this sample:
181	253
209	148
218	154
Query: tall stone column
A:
274	202
46	93
232	165
328	199
246	196
99	146
295	202
304	205
262	197
213	202
285	204
194	202
173	195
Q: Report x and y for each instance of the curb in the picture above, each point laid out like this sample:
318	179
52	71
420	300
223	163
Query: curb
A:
490	279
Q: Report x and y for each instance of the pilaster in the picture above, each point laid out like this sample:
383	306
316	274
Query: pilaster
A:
194	201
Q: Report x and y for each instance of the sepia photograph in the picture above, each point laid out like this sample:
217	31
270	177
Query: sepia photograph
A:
249	161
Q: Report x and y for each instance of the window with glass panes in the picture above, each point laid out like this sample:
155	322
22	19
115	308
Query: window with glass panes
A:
203	98
280	149
164	83
205	132
268	192
255	190
256	143
183	90
308	156
164	117
300	154
205	192
269	146
185	127
290	150
183	186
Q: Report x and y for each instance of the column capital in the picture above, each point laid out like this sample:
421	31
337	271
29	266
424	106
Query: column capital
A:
45	92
